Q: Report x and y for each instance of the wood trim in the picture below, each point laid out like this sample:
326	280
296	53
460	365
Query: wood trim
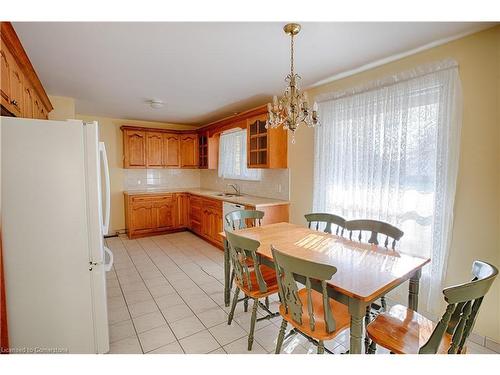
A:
4	335
11	40
157	130
212	128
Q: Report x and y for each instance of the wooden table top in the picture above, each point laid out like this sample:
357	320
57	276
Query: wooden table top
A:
364	271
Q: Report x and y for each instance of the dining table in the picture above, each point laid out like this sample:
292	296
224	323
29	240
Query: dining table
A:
365	272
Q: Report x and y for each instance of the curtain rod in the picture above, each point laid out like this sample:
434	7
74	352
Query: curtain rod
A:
391	80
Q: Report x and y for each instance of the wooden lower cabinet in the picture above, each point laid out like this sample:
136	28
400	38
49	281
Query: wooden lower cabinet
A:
158	213
211	221
183	210
150	214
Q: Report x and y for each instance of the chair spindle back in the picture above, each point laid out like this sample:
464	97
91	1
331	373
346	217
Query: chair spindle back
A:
244	218
240	249
315	219
315	274
374	227
463	301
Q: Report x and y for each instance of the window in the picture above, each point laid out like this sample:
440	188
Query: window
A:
389	151
233	157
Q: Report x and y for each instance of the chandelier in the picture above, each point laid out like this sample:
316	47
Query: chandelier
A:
292	109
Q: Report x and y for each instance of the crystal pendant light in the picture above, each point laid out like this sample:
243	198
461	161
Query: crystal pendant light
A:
292	109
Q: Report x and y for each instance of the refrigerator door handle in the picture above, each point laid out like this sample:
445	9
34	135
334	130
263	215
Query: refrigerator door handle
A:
105	224
108	265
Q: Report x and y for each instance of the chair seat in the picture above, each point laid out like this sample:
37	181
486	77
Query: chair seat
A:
404	331
269	276
339	311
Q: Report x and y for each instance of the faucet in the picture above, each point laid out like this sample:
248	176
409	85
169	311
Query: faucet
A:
236	188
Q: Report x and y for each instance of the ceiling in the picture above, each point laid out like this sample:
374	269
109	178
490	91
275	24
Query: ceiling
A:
204	71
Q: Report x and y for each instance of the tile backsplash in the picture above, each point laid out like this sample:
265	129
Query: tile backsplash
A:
274	183
137	179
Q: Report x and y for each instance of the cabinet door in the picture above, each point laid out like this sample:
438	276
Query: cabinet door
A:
141	219
16	86
182	211
5	77
216	225
257	143
154	150
29	99
165	210
170	150
134	149
189	151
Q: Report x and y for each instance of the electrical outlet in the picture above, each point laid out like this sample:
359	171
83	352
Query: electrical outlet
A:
278	188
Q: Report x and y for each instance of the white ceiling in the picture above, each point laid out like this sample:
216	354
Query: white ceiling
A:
203	71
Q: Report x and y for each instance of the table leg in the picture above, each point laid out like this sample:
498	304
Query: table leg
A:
357	311
227	272
413	291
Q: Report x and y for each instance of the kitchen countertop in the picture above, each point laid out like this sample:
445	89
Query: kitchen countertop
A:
247	200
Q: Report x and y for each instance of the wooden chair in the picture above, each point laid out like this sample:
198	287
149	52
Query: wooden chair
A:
405	331
315	219
374	227
311	312
258	281
242	219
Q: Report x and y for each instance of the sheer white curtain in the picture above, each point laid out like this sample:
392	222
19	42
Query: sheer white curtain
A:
233	157
389	151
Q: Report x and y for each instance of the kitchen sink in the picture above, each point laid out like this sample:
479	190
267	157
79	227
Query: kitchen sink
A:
229	195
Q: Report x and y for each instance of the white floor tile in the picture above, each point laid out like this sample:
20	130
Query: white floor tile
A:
225	333
177	312
186	327
130	345
148	321
199	343
212	317
173	348
155	338
141	308
121	330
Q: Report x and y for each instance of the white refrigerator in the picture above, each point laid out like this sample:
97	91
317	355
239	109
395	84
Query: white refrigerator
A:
55	212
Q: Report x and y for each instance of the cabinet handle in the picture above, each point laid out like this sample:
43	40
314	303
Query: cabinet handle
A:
13	102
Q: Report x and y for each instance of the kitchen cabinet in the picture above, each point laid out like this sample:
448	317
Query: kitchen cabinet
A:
266	148
159	148
149	214
195	214
154	150
211	222
134	148
20	87
170	150
183	210
189	151
157	213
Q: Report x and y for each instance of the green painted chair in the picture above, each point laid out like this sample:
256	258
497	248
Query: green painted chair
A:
404	331
374	228
309	310
242	219
256	282
316	220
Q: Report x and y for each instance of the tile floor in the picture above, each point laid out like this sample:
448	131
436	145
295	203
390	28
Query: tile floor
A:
165	295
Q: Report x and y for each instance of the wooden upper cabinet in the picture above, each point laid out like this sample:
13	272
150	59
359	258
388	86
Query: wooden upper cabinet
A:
170	150
5	77
154	150
266	148
16	89
189	151
28	102
134	149
19	84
